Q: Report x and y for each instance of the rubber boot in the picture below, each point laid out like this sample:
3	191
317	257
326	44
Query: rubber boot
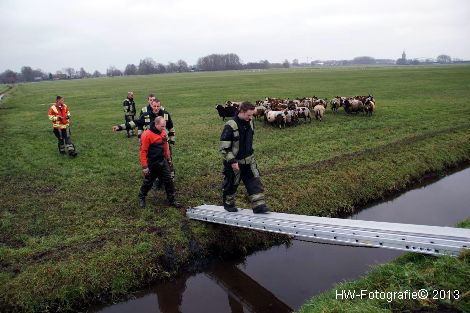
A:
229	203
261	209
141	202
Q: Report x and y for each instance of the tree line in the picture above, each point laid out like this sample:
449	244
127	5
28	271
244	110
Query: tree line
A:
213	62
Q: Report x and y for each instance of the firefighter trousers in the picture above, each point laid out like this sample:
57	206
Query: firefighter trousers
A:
160	170
64	141
249	174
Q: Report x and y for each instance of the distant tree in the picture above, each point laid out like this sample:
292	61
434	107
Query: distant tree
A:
69	71
219	62
182	66
172	67
160	68
295	62
97	74
363	60
131	69
27	73
9	77
50	76
83	74
113	71
444	59
286	64
415	62
147	66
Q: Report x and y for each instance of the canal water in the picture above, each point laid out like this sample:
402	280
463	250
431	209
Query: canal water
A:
283	278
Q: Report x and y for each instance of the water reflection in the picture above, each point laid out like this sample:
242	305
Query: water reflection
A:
223	288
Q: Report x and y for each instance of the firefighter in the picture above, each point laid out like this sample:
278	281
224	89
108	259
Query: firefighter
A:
59	115
236	145
156	162
130	124
129	113
148	115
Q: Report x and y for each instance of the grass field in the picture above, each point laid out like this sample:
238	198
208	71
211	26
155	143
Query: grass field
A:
71	231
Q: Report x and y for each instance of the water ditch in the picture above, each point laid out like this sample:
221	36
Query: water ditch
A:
282	278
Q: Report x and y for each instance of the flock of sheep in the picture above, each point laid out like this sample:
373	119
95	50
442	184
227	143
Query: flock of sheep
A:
286	112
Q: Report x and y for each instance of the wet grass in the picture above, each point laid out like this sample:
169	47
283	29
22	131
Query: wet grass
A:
445	282
71	231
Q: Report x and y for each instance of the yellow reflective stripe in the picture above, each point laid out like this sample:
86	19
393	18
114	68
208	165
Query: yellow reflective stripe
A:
225	144
54	108
257	197
165	117
229	156
254	169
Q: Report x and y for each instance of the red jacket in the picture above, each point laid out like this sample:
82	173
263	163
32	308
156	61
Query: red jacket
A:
153	146
59	115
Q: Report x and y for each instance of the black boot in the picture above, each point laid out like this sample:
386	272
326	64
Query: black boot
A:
61	148
230	208
229	203
261	209
175	204
141	202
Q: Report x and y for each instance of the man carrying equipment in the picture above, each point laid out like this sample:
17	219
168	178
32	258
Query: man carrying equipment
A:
156	162
236	145
59	115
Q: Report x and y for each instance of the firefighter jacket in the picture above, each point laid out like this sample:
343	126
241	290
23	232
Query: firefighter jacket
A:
128	106
153	147
236	141
147	116
59	115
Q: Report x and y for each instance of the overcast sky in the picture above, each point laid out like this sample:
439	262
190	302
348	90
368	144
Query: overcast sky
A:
95	34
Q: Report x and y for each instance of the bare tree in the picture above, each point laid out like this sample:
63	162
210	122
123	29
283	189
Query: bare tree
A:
131	69
219	62
182	66
69	71
27	73
113	71
9	77
147	66
444	58
83	74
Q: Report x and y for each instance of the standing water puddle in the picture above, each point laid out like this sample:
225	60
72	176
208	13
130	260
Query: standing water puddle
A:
283	278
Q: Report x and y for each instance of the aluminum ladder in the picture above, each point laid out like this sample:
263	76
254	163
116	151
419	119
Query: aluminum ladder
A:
435	240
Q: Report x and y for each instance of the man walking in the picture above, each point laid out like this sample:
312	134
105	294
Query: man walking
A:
156	162
59	115
236	145
128	106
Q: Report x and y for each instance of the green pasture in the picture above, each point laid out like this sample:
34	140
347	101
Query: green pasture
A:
71	231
